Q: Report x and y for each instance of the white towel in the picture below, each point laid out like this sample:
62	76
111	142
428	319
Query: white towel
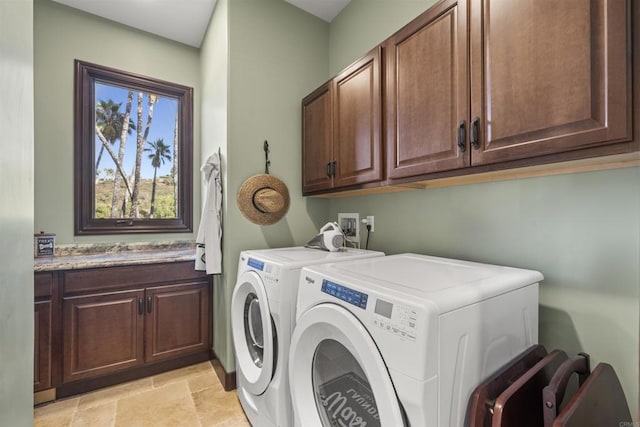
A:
208	250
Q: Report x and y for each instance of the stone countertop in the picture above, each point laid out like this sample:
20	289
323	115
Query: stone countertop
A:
72	257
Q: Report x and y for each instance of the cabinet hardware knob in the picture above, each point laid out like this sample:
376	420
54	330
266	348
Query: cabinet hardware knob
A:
462	136
140	305
149	304
474	133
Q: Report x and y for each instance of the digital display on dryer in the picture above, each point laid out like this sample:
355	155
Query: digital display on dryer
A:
359	299
383	308
254	263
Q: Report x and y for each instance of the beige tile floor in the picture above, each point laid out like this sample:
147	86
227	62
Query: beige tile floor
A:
190	396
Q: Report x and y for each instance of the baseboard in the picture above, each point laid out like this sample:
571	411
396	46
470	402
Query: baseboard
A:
44	396
227	379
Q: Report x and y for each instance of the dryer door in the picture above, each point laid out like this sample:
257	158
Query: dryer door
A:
253	334
337	375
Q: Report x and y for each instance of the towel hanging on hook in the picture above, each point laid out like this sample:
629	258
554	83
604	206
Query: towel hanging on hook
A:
208	241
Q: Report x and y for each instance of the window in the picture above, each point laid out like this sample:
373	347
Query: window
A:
133	153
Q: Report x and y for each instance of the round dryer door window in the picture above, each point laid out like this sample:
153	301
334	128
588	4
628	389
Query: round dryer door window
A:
253	333
342	393
336	372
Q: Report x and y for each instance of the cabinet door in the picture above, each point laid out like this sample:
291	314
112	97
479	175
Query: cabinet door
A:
317	138
357	117
42	346
549	76
102	333
426	96
177	320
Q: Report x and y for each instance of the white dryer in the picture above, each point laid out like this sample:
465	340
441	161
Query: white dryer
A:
403	340
262	317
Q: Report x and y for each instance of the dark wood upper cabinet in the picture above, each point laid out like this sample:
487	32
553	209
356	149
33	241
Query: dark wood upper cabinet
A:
549	76
474	86
317	137
341	129
426	93
357	122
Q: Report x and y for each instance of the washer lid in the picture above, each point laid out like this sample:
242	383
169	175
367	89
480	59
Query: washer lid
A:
254	337
299	256
448	283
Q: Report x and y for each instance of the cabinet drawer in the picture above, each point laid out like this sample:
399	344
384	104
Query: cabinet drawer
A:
111	278
43	285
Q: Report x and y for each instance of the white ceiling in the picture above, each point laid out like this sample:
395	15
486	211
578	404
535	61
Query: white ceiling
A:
323	9
184	21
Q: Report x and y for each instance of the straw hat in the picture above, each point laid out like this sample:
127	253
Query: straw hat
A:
263	199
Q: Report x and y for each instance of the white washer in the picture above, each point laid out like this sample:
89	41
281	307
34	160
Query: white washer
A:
403	340
262	318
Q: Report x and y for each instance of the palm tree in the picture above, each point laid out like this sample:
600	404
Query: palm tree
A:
159	154
174	168
109	120
140	142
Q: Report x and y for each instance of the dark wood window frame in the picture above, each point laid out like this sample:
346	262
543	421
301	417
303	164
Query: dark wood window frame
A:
86	75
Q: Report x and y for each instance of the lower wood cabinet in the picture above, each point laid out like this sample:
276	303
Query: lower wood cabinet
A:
42	346
120	323
102	333
42	331
177	320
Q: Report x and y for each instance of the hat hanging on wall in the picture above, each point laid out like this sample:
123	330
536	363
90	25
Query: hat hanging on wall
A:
263	199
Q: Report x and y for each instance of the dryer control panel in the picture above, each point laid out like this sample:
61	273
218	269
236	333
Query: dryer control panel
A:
357	298
395	318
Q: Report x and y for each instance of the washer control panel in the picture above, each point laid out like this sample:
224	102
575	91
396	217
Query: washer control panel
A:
256	264
395	319
269	271
357	298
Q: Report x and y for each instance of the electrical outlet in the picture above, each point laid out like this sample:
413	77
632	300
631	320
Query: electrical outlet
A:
370	222
350	225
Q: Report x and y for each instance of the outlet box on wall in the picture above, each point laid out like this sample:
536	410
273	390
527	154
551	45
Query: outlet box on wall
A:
350	225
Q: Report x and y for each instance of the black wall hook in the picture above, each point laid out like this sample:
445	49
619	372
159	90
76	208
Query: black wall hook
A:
267	162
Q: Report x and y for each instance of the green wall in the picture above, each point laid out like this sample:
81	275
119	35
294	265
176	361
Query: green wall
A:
276	53
16	213
62	34
582	231
214	60
363	24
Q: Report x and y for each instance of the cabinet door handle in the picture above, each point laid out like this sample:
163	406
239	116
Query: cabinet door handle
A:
140	306
149	304
462	136
474	133
331	168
